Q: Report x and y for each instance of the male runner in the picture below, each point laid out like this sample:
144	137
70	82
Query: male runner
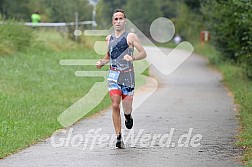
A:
121	80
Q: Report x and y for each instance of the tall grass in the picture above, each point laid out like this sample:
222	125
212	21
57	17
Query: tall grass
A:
14	38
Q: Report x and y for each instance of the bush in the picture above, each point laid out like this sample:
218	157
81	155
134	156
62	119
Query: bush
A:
15	37
231	25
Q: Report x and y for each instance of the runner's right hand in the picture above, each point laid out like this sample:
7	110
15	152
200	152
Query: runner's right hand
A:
99	64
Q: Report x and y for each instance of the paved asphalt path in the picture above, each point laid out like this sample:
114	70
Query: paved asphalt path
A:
189	121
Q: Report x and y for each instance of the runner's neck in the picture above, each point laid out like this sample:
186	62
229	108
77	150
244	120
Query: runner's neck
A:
119	33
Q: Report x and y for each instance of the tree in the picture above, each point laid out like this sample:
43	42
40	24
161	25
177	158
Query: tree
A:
55	11
230	23
105	8
64	10
194	5
142	13
15	9
169	8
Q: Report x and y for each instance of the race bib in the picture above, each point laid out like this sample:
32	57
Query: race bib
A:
113	75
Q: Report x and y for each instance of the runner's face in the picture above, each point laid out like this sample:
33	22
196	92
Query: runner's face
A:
118	21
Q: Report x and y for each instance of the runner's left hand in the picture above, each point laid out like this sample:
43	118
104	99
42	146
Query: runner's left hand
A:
128	58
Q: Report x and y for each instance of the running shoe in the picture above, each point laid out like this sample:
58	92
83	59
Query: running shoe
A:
128	121
119	142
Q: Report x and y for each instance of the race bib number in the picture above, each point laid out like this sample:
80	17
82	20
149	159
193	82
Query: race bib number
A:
113	76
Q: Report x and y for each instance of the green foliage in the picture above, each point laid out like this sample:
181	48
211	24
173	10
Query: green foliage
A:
169	8
194	5
140	12
143	13
51	11
15	9
105	9
16	38
231	26
210	51
187	23
64	10
242	90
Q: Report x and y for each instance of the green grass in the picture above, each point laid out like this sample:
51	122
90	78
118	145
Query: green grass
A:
35	89
235	78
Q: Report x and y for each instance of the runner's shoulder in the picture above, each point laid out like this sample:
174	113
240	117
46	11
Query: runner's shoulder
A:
108	37
131	34
132	37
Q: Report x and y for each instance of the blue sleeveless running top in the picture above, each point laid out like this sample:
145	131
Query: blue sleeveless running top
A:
118	47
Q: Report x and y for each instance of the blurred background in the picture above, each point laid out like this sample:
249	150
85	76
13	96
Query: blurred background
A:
226	22
36	34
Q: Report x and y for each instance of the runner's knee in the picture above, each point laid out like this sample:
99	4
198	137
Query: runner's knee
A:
116	106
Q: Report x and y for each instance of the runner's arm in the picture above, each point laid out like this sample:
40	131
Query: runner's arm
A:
136	43
106	58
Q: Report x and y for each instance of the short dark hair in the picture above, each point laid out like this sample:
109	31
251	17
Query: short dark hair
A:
119	10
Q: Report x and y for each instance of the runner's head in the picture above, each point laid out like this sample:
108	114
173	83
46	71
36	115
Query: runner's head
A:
119	10
119	19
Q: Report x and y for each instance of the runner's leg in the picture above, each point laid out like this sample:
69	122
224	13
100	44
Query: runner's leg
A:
127	107
127	104
115	96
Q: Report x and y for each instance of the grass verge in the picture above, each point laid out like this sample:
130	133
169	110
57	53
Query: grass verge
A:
35	89
235	78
